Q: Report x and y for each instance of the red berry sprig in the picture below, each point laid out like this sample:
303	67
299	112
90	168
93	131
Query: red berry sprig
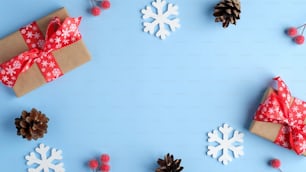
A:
104	161
105	167
93	164
299	39
95	10
293	32
276	163
105	4
104	158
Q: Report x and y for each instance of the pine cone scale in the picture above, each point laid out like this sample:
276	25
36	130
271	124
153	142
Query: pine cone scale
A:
23	124
21	132
161	162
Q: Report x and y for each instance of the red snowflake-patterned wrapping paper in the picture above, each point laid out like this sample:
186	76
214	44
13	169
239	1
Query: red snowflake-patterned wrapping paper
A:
41	52
281	118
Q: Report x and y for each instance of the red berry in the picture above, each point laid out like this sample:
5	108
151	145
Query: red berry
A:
95	11
105	167
105	158
93	164
275	163
292	31
299	39
105	4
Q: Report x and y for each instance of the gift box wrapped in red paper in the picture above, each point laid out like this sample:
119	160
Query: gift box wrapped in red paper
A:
281	118
41	52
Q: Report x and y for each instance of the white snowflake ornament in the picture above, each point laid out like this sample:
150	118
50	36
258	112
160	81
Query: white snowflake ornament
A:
227	145
162	18
47	160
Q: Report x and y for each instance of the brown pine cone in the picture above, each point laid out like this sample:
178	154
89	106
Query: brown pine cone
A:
227	11
168	164
32	125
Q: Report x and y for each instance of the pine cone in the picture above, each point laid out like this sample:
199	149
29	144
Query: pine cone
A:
168	164
227	11
32	125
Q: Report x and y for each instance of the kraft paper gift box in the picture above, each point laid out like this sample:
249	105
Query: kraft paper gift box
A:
277	127
68	57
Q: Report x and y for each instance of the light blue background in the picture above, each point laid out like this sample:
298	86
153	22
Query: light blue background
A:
141	97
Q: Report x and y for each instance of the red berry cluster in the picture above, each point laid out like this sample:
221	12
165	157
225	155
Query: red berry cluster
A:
97	4
293	32
104	167
276	163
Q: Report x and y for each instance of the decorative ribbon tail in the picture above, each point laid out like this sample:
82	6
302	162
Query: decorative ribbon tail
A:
282	88
291	142
284	95
4	79
11	69
54	24
298	141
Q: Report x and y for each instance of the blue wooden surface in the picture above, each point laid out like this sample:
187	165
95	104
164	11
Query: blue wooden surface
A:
141	97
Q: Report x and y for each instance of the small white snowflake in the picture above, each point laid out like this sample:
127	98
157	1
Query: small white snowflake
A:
229	142
58	33
57	39
298	101
77	34
36	35
77	19
44	63
271	110
29	34
23	31
56	72
303	146
38	60
16	64
41	43
43	163
299	115
10	83
29	26
4	78
10	70
162	18
65	33
295	108
72	27
66	41
58	46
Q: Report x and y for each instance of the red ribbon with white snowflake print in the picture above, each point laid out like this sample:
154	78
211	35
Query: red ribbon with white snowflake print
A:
58	35
282	108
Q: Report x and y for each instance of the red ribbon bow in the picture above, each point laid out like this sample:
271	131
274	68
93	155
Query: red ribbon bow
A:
281	108
58	35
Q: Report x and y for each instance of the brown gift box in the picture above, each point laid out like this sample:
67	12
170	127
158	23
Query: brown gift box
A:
68	57
267	130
